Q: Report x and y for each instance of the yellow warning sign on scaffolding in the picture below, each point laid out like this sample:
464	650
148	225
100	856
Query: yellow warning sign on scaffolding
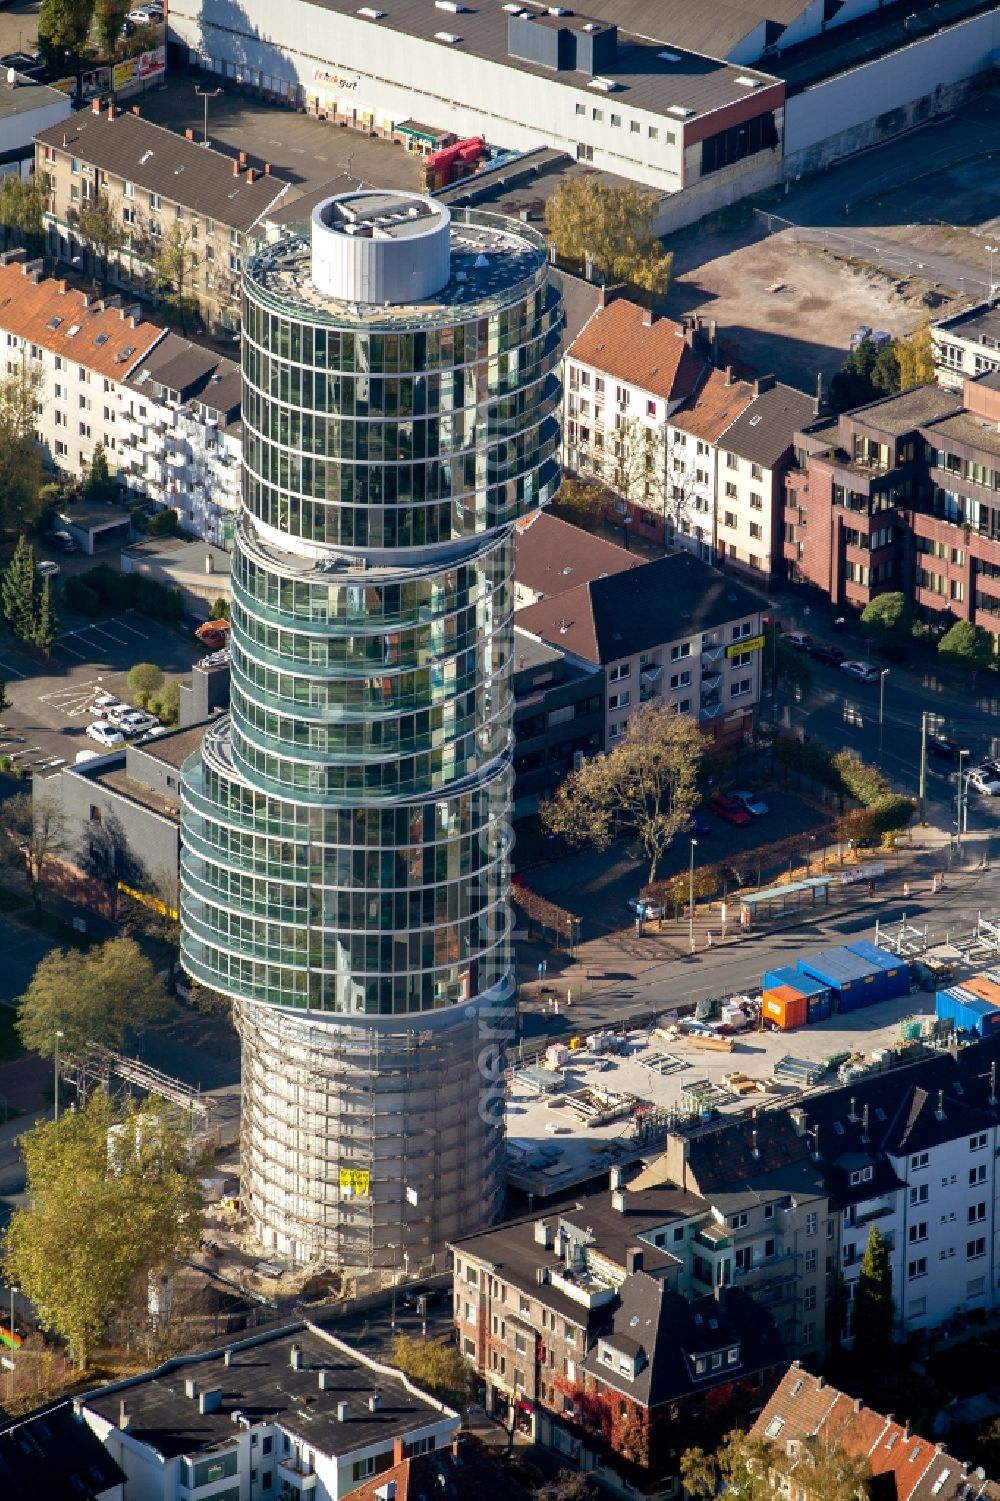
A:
355	1182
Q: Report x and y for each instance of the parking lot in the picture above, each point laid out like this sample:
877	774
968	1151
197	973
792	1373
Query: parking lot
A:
46	724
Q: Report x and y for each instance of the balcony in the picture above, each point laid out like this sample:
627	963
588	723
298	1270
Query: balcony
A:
711	682
713	653
583	1287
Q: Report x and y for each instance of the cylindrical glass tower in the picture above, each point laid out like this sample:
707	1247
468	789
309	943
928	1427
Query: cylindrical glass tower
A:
345	829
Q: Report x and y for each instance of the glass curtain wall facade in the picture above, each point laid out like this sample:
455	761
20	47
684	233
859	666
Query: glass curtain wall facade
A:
345	828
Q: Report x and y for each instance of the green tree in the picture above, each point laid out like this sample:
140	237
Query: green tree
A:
174	265
47	627
4	696
967	645
145	679
864	783
434	1367
581	502
646	785
22	208
873	1300
113	1197
21	469
167	704
92	997
888	616
915	357
20	591
792	668
866	374
612	227
63	27
100	486
103	234
109	21
220	610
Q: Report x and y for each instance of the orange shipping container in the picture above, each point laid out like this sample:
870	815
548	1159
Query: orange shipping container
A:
786	1007
984	987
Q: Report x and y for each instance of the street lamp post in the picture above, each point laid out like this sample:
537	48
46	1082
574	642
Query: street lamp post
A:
56	1114
958	798
206	95
694	845
13	1343
925	717
881	710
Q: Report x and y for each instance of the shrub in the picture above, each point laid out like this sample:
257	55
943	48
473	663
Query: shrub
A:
163	523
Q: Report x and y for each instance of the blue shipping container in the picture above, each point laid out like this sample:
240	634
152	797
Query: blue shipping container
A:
897	971
820	1006
855	981
967	1012
803	983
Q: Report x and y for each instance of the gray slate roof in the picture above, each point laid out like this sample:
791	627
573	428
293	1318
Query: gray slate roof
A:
764	432
160	161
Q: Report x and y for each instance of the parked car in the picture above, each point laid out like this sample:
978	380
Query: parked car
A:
648	911
799	639
751	802
984	781
115	713
699	824
137	723
64	541
46	569
831	655
105	702
105	734
729	809
863	671
943	748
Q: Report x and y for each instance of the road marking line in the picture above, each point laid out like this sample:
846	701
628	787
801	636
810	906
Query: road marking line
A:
9	667
126	627
81	656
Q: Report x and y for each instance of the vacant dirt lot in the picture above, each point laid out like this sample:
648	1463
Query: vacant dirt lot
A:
789	307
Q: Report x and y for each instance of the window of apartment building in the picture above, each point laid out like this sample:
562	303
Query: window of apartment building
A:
741	632
810	1262
74	165
178	211
756	502
769	1211
977	1174
732	462
917	1268
756	472
950	354
977	1212
916	1308
975	1287
741	688
730	492
919	1159
918	1232
616	731
128	189
155	229
74	193
60	419
520	1344
634	127
155	202
61	449
60	363
128	216
919	1195
729	518
756	530
210	252
84	429
809	1299
618	671
975	1248
84	374
743	1258
650	408
234	263
755	562
978	1142
862	1175
812	1222
470	1313
680	680
598	115
619	700
581	109
653	132
683	649
84	403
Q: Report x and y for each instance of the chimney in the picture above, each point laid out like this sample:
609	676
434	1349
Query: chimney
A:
729	375
95	109
993	1083
243	158
633	1260
713	336
209	563
939	1112
820	1383
189	135
617	1177
190	1388
341	1412
852	1114
763	383
647	317
818	400
543	1234
210	1401
250	174
374	1402
398	1451
325	1381
111	112
602	297
295	1357
864	1124
906	1429
227	1359
124	1415
136	110
267	169
236	169
858	1404
619	1201
799	1120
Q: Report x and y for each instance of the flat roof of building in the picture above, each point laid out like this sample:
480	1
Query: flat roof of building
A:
262	1384
896	415
26	95
489	257
653	75
980	324
174	749
973	431
117	779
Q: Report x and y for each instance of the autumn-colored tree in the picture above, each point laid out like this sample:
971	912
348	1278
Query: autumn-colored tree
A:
612	228
646	785
174	265
434	1367
581	502
89	998
915	356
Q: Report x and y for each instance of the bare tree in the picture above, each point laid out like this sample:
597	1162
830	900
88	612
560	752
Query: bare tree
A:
34	834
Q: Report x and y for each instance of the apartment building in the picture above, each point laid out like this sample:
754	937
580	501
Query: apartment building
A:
156	182
806	1411
903	494
967	344
78	349
674	632
180	437
551	556
558	718
53	1453
695	454
294	1412
585	1310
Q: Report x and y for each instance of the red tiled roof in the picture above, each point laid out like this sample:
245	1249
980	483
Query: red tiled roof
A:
654	357
75	324
551	555
715	407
